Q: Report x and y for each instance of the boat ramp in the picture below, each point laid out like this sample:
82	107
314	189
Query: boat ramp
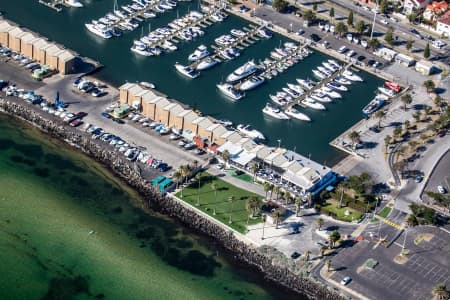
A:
299	100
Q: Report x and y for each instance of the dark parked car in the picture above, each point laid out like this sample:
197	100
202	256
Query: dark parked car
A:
295	255
3	83
374	129
106	115
163	167
315	37
118	121
81	114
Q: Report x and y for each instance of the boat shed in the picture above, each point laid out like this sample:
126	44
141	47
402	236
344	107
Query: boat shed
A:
159	109
66	62
27	44
124	92
386	53
174	111
51	56
405	60
5	28
188	120
40	47
203	126
425	67
216	132
15	36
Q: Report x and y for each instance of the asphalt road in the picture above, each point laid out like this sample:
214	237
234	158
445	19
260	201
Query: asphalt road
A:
440	176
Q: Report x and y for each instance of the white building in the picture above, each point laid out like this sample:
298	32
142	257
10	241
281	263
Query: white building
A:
410	5
443	25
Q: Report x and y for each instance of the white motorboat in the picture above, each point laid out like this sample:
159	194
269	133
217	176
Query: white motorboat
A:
104	33
325	71
169	46
351	76
238	33
319	74
387	92
199	53
336	86
147	84
292	112
141	50
74	3
307	84
242	72
342	80
321	97
290	92
274	112
186	71
229	91
264	33
120	13
278	100
251	83
207	63
296	88
374	105
335	63
248	130
330	66
313	104
330	92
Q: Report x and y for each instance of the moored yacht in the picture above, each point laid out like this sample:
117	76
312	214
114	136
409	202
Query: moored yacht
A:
319	74
296	88
330	92
321	97
342	80
337	86
275	112
141	49
207	63
387	92
238	32
186	71
263	32
307	84
229	91
292	112
243	71
325	71
74	3
313	104
248	130
251	83
374	105
104	33
199	53
351	76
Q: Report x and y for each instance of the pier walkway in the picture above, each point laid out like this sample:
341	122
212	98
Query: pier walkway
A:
299	100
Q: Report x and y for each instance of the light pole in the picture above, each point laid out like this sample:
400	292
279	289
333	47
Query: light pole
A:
404	240
279	143
374	18
264	223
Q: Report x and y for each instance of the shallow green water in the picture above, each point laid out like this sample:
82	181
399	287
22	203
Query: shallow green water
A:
68	231
310	139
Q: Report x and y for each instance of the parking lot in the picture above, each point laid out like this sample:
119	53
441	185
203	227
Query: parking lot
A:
426	265
439	177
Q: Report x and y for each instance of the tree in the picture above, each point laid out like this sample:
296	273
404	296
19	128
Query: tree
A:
231	200
276	215
411	221
440	292
350	19
438	101
328	263
388	37
387	141
255	167
314	6
379	114
333	238
271	189
359	27
322	250
214	188
279	5
354	136
406	99
383	7
198	177
226	156
397	131
309	15
426	51
412	17
298	203
407	124
373	44
176	177
409	44
287	196
307	254
332	12
417	115
277	191
427	110
341	28
319	222
429	85
253	205
266	187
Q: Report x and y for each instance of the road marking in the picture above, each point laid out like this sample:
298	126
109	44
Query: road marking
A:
396	226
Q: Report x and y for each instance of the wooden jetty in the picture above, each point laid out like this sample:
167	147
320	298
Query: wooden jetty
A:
298	101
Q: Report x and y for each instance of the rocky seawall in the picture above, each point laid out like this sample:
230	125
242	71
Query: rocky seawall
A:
153	200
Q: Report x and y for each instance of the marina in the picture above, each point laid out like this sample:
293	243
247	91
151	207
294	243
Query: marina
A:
308	138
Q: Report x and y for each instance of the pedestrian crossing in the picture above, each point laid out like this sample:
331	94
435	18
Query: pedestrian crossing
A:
396	226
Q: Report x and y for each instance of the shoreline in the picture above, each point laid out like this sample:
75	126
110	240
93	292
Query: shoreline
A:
280	275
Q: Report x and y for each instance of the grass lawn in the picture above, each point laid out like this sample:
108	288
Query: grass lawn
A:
333	206
384	212
244	176
209	201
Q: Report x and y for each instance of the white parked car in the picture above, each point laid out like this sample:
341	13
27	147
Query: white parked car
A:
351	53
342	49
384	21
441	189
364	43
349	37
346	280
393	19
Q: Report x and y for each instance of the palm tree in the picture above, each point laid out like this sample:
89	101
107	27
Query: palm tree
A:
440	292
319	222
276	215
397	131
429	85
264	217
266	187
387	141
198	177
307	254
298	203
379	114
277	191
287	196
310	199
427	110
333	238
438	101
322	250
359	26
407	124
406	99
271	189
183	173
341	28
328	263
255	167
374	44
214	188
231	199
354	136
253	205
226	156
176	176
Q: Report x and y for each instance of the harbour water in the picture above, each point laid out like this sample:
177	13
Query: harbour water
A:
309	139
68	230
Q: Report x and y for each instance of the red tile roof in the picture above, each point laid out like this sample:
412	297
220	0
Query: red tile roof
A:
445	18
